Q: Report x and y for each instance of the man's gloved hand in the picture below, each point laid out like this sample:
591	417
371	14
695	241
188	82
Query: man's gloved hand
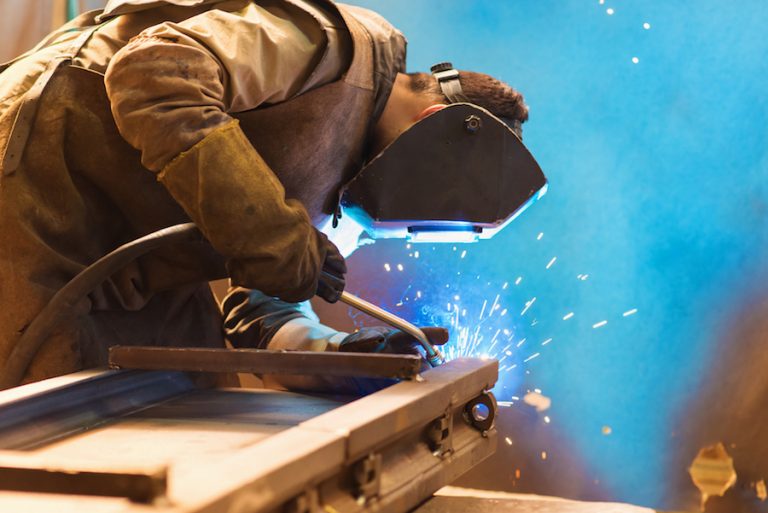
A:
380	339
331	281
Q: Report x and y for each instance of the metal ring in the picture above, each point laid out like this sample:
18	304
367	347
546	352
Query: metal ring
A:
480	412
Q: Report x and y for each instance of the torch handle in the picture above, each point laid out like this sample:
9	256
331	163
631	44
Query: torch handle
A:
433	354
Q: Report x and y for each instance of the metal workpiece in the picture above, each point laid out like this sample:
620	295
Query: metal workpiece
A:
235	450
258	361
31	421
433	355
30	475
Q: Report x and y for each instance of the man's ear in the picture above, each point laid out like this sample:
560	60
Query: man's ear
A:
430	110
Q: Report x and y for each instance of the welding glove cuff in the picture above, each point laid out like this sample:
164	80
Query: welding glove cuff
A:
381	339
251	318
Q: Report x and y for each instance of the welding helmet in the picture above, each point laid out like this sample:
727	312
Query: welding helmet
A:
458	175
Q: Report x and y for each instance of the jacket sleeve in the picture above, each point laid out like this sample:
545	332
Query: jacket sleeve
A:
171	89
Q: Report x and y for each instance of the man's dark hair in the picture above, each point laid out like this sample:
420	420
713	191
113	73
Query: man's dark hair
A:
481	89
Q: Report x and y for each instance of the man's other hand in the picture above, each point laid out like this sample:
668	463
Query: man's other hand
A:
380	339
331	282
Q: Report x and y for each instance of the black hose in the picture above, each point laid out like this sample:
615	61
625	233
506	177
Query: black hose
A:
62	305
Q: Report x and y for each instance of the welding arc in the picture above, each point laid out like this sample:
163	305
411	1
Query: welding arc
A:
62	305
434	357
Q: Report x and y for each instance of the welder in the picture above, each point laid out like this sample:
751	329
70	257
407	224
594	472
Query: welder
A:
246	117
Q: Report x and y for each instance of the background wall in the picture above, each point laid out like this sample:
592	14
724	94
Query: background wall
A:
658	218
24	22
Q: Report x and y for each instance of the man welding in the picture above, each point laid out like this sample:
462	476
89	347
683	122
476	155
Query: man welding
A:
250	118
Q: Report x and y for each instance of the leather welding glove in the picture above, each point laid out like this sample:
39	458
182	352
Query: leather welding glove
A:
239	204
331	280
381	339
251	318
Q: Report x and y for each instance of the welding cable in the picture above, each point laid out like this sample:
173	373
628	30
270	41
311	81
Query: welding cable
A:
62	305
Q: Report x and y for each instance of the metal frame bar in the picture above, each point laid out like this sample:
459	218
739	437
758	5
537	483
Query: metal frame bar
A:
27	422
257	361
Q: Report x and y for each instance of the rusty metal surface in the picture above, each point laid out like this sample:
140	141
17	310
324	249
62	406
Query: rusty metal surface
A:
137	486
259	361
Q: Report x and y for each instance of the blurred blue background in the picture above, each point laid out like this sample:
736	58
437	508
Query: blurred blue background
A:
649	119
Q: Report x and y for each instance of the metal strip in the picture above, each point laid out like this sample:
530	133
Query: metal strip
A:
257	361
136	486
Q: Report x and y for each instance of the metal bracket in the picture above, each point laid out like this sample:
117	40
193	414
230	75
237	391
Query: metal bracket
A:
307	502
367	476
440	435
480	412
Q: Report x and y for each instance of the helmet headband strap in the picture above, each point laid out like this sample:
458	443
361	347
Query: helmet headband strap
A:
448	79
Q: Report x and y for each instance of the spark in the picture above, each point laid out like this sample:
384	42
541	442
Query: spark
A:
567	316
521	343
630	312
418	294
606	430
543	455
463	253
599	324
551	262
399	267
546	342
635	60
610	11
495	305
456	297
547	420
508	440
534	355
541	234
387	267
504	287
415	254
528	304
646	25
518	280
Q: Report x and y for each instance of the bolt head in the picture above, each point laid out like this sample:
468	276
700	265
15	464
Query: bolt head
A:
473	124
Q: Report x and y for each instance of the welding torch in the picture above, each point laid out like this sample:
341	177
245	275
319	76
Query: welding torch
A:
433	355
